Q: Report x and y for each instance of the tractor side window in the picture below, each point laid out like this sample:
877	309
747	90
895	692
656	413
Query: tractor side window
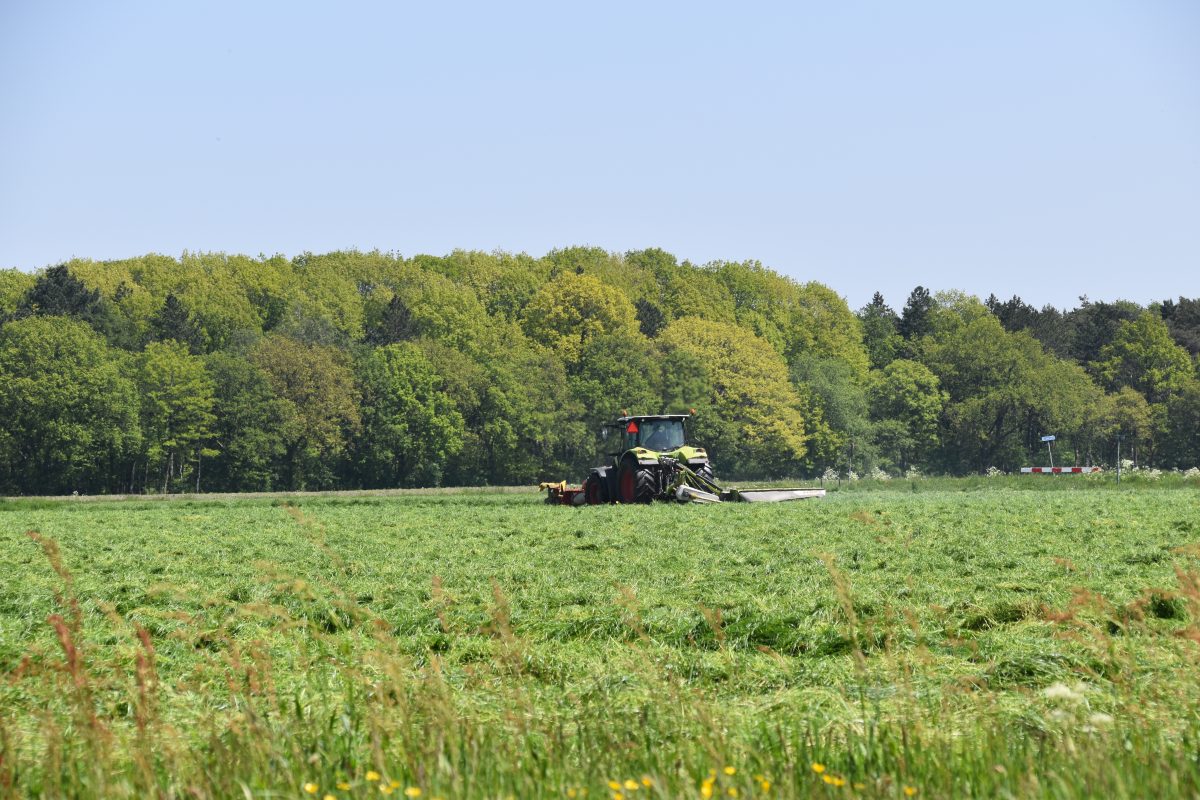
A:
632	435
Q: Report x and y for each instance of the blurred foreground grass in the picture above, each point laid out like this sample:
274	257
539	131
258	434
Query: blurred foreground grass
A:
993	642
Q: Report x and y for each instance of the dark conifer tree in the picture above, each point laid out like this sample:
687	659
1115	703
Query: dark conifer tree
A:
650	317
174	322
915	318
59	293
395	325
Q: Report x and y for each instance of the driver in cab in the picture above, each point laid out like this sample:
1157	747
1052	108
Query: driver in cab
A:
658	438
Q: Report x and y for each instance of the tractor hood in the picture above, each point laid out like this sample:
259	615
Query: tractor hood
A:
687	454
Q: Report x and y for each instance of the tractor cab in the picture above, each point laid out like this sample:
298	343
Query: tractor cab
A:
661	434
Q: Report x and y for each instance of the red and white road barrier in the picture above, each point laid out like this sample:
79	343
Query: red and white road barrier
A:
1058	470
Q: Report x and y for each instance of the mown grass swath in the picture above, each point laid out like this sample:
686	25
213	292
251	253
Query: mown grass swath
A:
880	644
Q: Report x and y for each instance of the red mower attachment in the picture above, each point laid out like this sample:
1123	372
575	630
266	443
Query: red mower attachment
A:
559	494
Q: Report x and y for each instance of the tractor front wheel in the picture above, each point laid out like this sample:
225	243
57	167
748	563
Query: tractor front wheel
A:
636	484
705	471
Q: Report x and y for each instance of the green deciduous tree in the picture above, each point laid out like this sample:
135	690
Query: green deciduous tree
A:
1181	440
906	400
685	381
572	309
411	428
177	409
994	382
1126	412
68	413
320	405
249	431
615	372
837	419
1142	355
14	286
753	417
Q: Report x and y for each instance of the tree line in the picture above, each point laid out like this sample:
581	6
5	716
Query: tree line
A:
367	369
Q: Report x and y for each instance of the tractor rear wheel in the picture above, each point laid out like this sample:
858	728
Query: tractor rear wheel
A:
594	490
636	484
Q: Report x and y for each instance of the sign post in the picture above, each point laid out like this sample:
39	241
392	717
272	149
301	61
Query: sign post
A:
1118	459
1048	440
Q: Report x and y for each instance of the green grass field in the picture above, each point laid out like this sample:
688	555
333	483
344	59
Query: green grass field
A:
929	643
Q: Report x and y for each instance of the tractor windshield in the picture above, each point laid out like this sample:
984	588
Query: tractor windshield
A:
661	435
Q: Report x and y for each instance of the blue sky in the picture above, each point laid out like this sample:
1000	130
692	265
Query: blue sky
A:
1043	149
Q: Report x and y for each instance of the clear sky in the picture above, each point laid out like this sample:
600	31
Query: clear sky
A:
1047	149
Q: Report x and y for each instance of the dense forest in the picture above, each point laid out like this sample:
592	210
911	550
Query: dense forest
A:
350	369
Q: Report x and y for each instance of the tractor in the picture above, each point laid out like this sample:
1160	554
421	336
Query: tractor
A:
645	464
653	461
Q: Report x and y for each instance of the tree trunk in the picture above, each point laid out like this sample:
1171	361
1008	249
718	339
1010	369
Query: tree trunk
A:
167	473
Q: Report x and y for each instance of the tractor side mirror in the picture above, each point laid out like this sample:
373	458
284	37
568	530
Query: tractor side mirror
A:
604	433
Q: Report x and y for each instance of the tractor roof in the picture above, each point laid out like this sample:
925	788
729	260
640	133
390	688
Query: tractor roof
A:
623	421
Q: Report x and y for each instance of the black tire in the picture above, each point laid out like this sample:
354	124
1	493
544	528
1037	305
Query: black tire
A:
635	485
705	471
594	490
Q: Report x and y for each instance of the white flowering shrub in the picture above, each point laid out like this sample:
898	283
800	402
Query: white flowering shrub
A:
879	475
1194	472
994	472
913	472
830	474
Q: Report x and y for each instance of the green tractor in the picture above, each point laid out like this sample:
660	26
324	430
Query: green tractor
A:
652	452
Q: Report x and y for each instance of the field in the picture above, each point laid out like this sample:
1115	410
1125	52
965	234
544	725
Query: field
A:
939	640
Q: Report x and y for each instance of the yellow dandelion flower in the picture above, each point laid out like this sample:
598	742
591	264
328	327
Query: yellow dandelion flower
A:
732	791
343	786
646	781
383	787
827	778
631	785
706	791
616	787
838	782
758	776
765	785
311	788
818	768
372	775
618	796
412	791
730	770
909	791
572	793
328	797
